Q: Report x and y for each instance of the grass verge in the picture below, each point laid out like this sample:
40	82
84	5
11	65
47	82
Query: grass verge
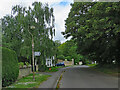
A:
28	82
108	69
91	65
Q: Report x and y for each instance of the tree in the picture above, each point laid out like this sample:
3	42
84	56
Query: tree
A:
95	28
68	50
16	29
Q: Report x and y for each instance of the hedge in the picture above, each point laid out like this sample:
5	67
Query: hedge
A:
10	67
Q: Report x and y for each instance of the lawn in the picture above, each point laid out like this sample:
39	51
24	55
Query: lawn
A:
28	82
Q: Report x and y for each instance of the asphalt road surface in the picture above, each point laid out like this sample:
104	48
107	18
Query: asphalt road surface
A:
84	77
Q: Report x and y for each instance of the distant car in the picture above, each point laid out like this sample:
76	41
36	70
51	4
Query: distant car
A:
60	64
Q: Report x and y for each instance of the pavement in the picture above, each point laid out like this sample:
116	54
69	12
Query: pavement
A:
84	77
52	81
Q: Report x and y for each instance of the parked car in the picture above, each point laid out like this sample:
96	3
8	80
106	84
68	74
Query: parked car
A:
60	64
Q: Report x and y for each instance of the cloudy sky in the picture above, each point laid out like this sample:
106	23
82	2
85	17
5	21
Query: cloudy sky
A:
61	10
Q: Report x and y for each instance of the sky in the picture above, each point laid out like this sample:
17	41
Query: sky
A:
61	11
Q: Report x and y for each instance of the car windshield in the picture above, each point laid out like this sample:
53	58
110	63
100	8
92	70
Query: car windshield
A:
62	63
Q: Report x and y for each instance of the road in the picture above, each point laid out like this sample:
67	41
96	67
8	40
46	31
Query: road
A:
84	77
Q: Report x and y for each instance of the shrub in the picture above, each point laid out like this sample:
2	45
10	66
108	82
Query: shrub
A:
21	64
42	68
27	64
10	68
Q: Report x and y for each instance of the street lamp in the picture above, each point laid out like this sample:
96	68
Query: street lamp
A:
32	27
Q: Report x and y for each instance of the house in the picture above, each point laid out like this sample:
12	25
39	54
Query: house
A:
50	61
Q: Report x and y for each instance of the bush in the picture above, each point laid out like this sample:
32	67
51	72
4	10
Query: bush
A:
10	67
53	69
21	64
27	64
87	62
42	68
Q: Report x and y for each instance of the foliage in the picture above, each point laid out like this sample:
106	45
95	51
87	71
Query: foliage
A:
42	68
57	44
61	57
21	64
27	64
94	26
108	69
53	69
27	82
91	65
67	51
68	58
10	68
23	59
17	27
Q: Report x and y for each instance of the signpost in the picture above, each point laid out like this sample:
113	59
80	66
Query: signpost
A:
36	54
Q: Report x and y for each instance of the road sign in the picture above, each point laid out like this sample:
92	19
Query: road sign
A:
37	53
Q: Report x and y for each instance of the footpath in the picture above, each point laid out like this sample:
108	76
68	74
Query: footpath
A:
52	81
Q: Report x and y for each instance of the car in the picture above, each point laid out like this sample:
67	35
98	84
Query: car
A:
60	64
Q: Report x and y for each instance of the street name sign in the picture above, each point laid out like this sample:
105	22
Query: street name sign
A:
37	53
